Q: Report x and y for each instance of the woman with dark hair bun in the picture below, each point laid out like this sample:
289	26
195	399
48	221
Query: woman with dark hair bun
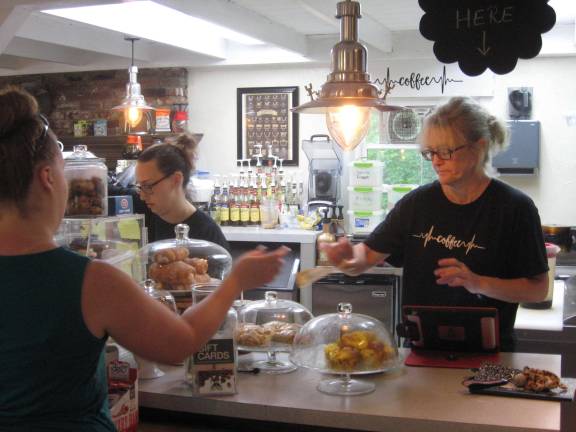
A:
162	173
58	308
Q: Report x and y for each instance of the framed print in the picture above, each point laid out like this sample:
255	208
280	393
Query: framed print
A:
265	123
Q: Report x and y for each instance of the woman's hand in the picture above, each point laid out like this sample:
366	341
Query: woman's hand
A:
455	273
258	267
352	260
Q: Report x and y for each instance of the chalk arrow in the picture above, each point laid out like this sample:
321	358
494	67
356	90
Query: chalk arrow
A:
484	50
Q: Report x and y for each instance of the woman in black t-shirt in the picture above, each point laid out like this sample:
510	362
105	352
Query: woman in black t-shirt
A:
162	173
465	239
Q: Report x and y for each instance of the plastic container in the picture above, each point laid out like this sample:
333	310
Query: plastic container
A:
87	179
367	198
345	344
397	191
552	251
366	173
180	122
364	222
270	326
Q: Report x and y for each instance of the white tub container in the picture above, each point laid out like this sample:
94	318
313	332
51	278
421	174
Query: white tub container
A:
367	198
397	191
366	173
364	222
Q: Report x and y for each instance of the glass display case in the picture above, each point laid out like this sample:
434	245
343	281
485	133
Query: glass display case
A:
114	239
177	264
270	326
345	344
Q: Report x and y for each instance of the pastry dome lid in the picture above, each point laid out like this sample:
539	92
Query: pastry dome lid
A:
345	343
179	263
272	308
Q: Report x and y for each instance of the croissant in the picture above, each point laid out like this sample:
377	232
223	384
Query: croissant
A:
166	256
174	273
199	264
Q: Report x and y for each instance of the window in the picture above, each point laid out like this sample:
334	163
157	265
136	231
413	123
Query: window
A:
393	139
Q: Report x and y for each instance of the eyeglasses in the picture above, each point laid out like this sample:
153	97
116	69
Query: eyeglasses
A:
148	189
444	154
44	135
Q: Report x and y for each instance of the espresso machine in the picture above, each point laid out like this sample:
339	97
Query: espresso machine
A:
324	170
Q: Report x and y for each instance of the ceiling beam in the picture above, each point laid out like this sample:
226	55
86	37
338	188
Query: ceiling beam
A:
36	50
370	31
11	19
59	31
230	15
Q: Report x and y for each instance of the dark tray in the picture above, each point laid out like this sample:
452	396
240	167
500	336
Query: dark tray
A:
512	391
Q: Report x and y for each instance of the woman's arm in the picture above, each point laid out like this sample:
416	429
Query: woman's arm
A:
112	303
455	273
352	260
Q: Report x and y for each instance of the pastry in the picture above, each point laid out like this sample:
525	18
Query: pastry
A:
358	350
166	256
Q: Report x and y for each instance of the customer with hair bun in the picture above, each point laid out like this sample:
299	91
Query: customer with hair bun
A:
163	172
58	308
466	239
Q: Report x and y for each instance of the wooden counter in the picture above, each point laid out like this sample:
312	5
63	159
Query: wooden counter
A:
412	399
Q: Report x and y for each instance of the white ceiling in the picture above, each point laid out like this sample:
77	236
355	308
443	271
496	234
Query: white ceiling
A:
33	42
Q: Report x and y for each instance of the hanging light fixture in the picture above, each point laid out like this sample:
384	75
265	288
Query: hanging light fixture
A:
348	96
134	105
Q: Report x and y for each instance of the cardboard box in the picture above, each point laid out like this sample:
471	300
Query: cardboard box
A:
122	393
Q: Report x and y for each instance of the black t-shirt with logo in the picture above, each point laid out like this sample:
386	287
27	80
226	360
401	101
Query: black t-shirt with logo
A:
497	235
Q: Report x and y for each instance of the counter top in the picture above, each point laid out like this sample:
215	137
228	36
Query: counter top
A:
410	399
256	234
543	319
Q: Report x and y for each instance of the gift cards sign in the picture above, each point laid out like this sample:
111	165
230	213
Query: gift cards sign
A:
485	34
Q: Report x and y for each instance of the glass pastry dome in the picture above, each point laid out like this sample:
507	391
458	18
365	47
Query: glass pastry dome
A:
270	326
177	264
345	344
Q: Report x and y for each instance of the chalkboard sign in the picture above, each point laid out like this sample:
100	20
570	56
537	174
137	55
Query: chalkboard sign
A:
481	34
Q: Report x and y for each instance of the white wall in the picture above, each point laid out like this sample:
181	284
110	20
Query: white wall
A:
212	98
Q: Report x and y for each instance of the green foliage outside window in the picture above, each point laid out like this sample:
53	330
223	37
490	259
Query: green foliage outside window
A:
403	164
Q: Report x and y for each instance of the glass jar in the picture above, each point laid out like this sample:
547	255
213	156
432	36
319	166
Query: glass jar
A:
270	326
87	178
180	122
345	344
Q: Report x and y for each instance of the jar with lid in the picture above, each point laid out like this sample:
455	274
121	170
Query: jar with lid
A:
180	122
87	178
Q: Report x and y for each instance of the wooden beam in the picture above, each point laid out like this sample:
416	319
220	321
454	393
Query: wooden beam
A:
230	15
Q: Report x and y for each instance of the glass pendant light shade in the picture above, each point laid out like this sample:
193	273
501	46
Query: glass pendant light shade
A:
348	85
348	125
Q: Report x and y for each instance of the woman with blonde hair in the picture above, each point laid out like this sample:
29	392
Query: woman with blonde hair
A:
465	239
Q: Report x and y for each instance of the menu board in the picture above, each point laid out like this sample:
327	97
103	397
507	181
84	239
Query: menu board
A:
481	34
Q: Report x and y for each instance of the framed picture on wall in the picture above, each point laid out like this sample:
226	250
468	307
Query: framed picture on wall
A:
265	123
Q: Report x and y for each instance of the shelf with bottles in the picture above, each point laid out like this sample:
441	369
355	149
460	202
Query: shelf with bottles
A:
261	195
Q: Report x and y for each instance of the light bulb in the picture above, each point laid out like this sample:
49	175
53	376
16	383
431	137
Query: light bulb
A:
133	116
348	125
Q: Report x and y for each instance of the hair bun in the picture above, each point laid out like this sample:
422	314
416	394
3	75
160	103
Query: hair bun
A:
187	143
17	107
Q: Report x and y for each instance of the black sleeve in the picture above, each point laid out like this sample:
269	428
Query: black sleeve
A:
389	236
529	258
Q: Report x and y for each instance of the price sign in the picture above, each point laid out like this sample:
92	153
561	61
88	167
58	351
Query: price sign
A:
481	34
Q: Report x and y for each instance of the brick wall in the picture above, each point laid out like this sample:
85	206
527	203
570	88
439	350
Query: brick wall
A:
67	97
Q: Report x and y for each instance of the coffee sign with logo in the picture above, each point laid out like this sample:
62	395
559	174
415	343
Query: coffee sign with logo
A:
481	34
